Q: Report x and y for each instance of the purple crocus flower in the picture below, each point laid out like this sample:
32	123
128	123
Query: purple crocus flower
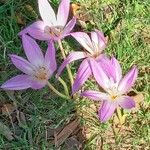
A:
52	26
37	70
94	47
115	88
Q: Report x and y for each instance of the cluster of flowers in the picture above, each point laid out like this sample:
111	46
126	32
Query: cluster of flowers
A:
39	68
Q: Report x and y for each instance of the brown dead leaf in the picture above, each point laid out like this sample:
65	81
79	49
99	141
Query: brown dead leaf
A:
139	99
31	10
7	108
19	19
50	132
81	13
72	143
5	131
66	132
74	8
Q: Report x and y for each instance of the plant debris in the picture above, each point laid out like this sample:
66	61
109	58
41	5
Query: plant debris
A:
5	131
66	132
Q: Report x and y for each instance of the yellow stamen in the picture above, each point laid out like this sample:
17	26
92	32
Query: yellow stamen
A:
113	97
41	74
54	31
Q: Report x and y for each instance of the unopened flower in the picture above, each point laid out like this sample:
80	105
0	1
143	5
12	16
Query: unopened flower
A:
115	86
52	26
37	70
93	49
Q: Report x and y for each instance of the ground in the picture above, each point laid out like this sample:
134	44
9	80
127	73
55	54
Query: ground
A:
32	119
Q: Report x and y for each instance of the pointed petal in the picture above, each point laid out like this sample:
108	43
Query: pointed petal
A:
111	67
117	72
95	95
22	64
126	102
102	39
32	50
105	63
47	13
98	41
127	82
63	11
95	41
106	111
50	58
18	82
35	84
99	74
84	40
69	27
83	74
37	31
72	57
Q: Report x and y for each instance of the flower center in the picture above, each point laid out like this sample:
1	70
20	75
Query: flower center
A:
41	73
96	54
113	97
93	54
54	31
113	93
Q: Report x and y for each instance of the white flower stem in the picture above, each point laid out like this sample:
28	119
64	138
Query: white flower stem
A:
120	116
56	91
64	57
64	85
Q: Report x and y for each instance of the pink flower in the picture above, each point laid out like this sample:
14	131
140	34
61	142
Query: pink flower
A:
94	47
115	88
37	70
52	27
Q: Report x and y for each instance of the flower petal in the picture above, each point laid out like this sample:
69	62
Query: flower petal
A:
106	111
105	63
22	64
18	82
84	40
35	84
63	11
111	67
127	82
72	57
69	27
47	13
101	36
32	50
99	74
95	95
126	102
83	73
117	72
37	31
98	41
50	58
